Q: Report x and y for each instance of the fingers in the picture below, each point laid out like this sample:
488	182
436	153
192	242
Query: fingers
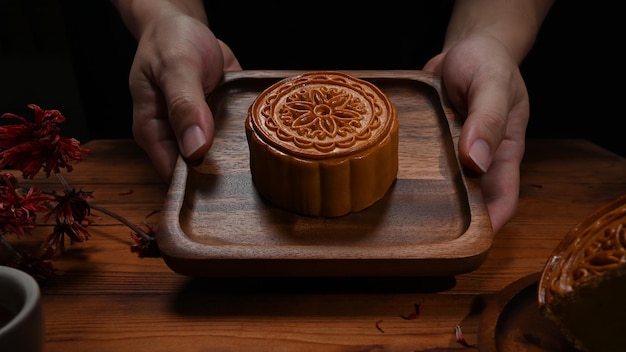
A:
484	84
434	64
493	141
189	115
151	128
186	76
485	125
169	82
497	113
500	186
174	121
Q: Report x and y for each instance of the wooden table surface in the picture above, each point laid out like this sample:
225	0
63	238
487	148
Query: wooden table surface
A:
109	299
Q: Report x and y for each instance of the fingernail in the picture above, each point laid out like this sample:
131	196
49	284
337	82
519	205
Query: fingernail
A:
193	139
480	154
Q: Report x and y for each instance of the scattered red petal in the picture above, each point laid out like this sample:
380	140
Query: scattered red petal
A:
413	315
127	193
152	213
378	326
459	337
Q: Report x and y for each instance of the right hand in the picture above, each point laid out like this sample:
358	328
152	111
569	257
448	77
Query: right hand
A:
484	83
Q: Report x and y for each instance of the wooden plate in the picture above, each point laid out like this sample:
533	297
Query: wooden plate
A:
512	322
433	221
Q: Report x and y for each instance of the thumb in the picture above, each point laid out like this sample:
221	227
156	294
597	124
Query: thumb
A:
189	115
434	64
192	123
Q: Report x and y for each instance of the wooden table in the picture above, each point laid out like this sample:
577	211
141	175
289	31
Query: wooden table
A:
108	299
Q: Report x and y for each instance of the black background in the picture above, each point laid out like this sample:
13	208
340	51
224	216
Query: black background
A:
75	56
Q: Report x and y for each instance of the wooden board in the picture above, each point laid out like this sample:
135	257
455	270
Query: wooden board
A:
433	221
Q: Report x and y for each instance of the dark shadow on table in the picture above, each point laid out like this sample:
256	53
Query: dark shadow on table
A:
354	296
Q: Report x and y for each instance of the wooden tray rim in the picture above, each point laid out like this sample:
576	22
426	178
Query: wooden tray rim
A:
472	245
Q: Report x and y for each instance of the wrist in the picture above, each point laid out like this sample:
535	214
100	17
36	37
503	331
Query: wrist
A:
514	23
140	14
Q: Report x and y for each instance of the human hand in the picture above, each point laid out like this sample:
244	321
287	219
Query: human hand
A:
483	82
177	64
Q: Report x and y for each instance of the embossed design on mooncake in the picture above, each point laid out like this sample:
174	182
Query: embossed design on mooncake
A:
323	115
597	249
322	143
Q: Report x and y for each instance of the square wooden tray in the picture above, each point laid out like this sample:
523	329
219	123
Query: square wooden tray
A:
432	222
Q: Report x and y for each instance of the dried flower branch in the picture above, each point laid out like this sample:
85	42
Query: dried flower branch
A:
31	147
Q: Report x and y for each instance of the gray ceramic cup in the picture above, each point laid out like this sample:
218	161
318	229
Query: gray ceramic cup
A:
21	313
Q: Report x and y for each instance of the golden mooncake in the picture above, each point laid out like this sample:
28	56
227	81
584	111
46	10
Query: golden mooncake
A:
322	143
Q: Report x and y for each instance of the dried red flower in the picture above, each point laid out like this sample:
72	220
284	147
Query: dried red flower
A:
38	265
71	213
31	146
71	207
18	210
145	246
